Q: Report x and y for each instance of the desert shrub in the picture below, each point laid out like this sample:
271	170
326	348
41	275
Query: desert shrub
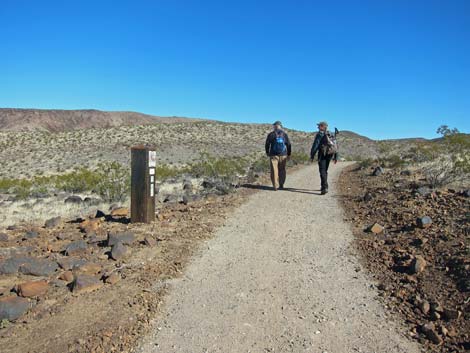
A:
260	165
423	152
80	180
299	158
366	163
452	164
210	166
164	172
114	181
393	161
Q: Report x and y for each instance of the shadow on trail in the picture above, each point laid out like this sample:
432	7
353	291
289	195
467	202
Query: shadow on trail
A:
269	188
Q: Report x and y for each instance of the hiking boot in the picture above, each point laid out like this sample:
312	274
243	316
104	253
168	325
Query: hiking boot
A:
275	188
324	192
281	187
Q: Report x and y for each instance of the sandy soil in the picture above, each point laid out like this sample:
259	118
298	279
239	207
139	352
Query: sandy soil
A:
280	276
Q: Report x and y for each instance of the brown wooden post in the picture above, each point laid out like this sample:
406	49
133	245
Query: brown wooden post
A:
143	164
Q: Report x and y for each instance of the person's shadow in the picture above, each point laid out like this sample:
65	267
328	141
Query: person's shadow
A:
266	188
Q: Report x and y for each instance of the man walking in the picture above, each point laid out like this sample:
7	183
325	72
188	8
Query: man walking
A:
278	149
325	145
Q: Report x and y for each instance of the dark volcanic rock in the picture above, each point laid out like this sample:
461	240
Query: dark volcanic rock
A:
3	237
118	251
424	222
69	263
53	222
120	237
378	171
38	267
423	191
11	308
76	247
31	234
85	283
74	199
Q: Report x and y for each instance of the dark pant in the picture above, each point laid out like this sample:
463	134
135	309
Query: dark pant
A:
323	164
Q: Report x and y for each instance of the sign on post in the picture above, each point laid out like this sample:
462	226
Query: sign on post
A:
143	164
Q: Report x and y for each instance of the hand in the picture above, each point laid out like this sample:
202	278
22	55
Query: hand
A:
311	160
288	158
335	161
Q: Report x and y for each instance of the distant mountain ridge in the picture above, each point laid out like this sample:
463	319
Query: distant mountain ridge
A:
54	120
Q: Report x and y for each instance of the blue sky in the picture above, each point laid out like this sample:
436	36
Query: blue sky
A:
385	69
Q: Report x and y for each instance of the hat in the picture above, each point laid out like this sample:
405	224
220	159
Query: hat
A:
277	122
322	123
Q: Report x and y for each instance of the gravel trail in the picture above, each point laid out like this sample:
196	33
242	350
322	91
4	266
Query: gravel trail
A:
279	276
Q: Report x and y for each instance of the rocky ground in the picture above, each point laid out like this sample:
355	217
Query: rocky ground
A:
416	242
93	284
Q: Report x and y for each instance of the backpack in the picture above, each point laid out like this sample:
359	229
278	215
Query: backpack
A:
278	147
329	144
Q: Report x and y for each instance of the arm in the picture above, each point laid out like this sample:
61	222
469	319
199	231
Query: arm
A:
267	144
315	146
288	145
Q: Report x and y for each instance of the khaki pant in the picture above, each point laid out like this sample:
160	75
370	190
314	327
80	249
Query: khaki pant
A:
278	170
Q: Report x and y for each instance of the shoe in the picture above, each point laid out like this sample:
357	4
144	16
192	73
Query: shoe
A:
275	188
281	187
324	192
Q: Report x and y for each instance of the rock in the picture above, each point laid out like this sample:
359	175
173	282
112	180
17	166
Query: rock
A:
150	241
424	222
118	251
423	191
100	214
418	264
66	276
38	267
73	199
3	237
90	268
32	289
76	247
120	212
31	234
126	238
378	171
113	278
11	265
70	263
376	228
83	283
465	193
367	197
11	308
90	225
431	334
437	307
406	172
424	306
443	330
53	222
185	200
91	201
450	314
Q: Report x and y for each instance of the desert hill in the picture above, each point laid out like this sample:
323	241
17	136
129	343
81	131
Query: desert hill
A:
14	119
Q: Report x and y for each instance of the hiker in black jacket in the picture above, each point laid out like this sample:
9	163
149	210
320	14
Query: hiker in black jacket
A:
278	149
326	153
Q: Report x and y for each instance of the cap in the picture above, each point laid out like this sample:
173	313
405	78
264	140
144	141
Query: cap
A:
322	123
277	122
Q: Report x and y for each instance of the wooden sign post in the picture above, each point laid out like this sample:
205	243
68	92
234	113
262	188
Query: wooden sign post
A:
143	165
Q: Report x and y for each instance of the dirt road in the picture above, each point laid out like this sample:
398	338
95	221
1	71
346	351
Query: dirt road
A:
279	276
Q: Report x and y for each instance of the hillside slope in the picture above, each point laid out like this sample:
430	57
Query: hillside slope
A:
13	119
